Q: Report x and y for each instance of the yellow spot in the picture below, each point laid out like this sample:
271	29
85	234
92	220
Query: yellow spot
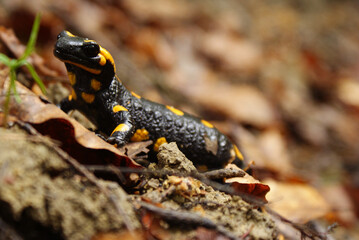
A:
102	61
140	135
118	108
89	98
238	153
70	34
88	40
206	123
90	70
73	94
158	143
175	110
136	95
107	56
96	85
121	128
70	97
72	78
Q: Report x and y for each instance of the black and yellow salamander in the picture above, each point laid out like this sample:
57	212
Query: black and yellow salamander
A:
126	117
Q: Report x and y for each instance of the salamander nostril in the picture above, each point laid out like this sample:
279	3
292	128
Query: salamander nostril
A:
62	34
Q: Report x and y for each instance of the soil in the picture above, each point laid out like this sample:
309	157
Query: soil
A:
43	196
231	212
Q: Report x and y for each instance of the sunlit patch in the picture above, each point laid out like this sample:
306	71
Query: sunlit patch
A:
206	123
238	153
119	108
175	110
72	78
135	95
121	128
158	143
140	135
89	98
96	85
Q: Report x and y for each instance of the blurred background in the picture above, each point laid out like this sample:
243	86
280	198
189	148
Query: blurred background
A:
280	78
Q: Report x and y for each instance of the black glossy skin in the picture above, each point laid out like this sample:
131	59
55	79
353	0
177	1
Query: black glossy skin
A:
202	144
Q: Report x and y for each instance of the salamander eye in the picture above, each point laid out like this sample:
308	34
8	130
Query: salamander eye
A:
91	50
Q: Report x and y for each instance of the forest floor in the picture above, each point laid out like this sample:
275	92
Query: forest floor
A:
279	78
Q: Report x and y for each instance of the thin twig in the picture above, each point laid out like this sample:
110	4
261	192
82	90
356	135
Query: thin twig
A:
187	218
224	173
304	230
254	200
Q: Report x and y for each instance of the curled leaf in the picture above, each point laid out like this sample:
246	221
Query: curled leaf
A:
76	140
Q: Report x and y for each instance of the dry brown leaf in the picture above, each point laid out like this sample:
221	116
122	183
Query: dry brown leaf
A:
153	226
248	185
348	91
245	104
297	202
152	46
230	52
164	11
340	202
128	235
267	150
81	12
48	119
273	146
346	126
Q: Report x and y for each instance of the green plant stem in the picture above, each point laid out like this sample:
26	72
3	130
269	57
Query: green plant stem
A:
14	64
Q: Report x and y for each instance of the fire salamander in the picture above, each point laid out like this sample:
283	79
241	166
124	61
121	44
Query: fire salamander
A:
125	117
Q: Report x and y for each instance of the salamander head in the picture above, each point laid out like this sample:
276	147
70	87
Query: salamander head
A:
88	55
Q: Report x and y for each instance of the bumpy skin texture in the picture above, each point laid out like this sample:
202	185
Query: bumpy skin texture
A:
124	116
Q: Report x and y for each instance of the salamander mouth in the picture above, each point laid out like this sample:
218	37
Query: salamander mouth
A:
88	64
65	57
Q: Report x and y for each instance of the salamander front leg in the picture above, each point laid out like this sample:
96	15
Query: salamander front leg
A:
121	134
66	104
